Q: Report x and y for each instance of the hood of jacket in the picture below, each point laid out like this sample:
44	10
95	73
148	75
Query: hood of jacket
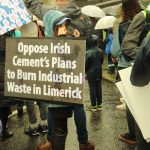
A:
71	10
50	19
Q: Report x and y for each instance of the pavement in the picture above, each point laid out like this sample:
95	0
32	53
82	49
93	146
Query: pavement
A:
103	126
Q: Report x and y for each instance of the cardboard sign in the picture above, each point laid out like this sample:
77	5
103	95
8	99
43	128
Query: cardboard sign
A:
50	69
12	15
138	101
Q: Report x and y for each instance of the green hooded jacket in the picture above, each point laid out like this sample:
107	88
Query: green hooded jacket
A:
50	19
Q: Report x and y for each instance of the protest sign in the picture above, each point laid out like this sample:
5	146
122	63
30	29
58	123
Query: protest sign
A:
50	69
124	94
12	15
138	101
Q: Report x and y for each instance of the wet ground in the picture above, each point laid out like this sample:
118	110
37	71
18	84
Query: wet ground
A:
103	126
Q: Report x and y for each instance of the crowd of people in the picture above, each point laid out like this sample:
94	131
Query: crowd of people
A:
122	45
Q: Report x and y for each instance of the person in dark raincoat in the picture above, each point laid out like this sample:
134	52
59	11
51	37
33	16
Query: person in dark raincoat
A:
130	47
5	103
78	22
93	69
140	76
55	25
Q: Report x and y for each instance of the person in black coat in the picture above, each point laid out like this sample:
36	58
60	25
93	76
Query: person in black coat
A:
5	104
93	70
140	76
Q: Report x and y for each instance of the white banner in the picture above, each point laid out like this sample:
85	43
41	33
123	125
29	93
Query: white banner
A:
138	101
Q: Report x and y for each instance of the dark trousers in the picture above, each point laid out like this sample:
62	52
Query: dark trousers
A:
4	113
141	142
2	70
117	74
80	121
32	112
109	60
135	132
56	122
95	88
59	133
57	136
57	126
131	123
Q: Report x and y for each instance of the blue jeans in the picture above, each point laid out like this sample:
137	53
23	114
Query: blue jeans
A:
32	113
80	121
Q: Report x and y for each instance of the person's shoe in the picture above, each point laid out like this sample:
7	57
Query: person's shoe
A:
92	108
121	106
42	128
99	107
31	132
46	145
127	138
7	134
87	146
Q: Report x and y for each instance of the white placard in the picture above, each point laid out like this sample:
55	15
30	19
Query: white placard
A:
138	101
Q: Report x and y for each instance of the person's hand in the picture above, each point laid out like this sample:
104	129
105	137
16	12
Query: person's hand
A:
76	33
62	30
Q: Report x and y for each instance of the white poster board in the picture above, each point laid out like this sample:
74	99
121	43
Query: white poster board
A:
138	101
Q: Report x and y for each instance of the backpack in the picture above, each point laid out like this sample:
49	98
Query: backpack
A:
118	38
123	27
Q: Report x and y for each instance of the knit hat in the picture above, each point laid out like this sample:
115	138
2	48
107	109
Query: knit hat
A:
51	19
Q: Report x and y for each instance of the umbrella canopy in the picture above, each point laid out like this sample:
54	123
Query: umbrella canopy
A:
105	22
12	15
111	10
93	11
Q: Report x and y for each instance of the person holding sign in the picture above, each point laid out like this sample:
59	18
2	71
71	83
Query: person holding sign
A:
140	76
131	44
79	21
55	23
